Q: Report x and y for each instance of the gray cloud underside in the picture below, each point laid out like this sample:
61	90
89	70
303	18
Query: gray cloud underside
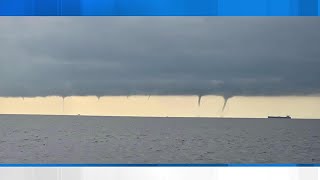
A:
42	56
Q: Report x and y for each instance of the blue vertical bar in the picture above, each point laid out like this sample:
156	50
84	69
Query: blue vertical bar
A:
309	7
279	8
318	8
294	6
70	7
167	7
13	7
243	7
99	7
46	7
150	7
28	7
228	7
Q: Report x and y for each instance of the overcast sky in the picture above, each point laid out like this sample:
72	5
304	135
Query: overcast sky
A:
42	56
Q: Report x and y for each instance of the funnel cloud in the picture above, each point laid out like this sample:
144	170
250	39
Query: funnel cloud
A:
228	56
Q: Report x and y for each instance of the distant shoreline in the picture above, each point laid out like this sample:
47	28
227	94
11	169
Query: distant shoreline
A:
159	117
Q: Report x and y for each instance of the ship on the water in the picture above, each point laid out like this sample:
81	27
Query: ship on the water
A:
283	117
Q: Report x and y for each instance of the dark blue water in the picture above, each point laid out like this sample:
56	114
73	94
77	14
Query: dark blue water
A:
80	139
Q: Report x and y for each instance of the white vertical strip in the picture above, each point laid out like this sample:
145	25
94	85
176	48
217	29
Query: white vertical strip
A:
214	173
294	173
308	173
33	174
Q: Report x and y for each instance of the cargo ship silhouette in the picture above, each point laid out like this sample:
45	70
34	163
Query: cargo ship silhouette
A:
283	117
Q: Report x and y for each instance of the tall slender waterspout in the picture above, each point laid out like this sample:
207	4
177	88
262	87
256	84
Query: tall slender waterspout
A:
199	100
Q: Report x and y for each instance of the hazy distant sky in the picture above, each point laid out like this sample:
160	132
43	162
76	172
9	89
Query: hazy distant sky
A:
159	55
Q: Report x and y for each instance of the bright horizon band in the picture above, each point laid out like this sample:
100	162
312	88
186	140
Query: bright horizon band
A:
160	173
304	107
160	7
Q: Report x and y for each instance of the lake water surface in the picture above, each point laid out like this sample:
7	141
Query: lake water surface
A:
81	139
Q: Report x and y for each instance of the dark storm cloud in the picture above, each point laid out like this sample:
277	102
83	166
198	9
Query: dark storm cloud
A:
159	55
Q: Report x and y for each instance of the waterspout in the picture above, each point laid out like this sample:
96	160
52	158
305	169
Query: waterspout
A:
226	99
199	100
